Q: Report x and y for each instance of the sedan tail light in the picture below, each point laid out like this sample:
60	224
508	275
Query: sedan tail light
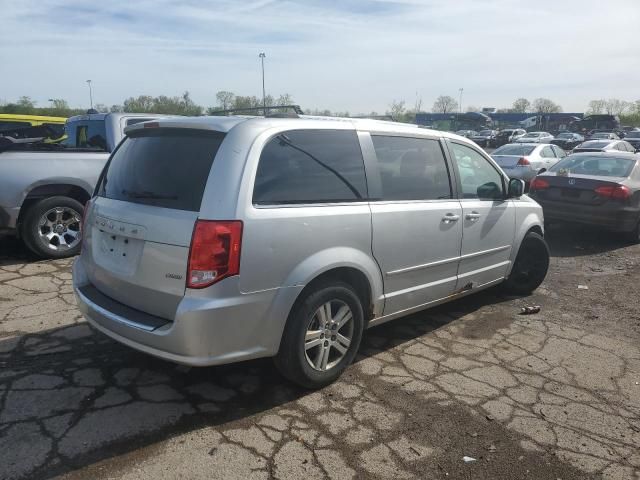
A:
523	162
538	184
614	192
214	252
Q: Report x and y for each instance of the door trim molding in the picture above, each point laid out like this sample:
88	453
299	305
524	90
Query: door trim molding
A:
447	260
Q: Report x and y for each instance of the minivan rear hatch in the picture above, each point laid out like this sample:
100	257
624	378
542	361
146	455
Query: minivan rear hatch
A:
138	232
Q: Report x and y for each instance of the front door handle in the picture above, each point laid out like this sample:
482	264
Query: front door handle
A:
450	218
473	216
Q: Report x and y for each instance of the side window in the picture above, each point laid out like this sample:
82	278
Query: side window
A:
547	152
411	168
478	177
310	166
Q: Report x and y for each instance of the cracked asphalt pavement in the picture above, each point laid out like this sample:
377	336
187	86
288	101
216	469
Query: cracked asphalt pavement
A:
555	395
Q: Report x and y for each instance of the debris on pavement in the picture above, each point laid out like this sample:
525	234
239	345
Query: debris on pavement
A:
583	287
530	310
468	459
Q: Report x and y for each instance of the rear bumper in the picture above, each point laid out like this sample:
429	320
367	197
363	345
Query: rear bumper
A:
612	217
205	331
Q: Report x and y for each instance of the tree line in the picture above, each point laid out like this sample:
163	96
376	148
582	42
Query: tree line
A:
397	110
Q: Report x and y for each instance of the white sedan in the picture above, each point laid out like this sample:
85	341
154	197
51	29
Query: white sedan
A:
536	137
526	160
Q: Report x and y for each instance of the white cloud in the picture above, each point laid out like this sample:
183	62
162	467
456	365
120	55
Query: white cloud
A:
354	55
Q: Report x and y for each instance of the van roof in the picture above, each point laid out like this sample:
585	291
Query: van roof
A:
102	116
226	123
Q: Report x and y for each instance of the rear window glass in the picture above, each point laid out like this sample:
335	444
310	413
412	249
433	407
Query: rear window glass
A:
310	166
162	167
86	134
600	166
514	150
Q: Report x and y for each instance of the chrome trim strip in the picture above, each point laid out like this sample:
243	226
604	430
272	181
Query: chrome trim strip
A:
448	260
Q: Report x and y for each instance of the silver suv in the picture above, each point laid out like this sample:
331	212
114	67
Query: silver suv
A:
220	239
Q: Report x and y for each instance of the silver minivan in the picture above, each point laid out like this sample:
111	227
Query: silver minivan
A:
213	240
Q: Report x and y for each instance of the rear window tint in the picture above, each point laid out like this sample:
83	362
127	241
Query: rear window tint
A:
162	167
310	166
599	165
86	134
514	149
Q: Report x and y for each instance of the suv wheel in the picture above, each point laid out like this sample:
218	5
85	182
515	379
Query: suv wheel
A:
531	265
51	227
322	336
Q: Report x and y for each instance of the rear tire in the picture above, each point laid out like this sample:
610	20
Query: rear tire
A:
317	346
58	218
530	267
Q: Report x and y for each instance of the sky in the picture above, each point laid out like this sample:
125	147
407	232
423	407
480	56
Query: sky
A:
343	55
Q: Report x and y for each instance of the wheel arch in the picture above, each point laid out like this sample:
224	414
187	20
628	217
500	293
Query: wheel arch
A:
41	191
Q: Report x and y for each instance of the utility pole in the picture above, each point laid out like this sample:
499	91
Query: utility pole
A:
90	94
264	97
460	103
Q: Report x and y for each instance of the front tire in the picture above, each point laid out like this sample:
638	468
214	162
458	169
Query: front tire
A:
531	265
634	236
322	335
51	227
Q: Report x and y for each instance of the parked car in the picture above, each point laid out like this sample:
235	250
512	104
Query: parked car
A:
484	137
535	137
591	122
603	136
633	139
526	160
43	187
567	140
466	133
212	240
599	189
508	135
604	146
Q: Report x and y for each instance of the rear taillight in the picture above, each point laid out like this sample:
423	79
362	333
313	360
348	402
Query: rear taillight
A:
523	162
615	192
538	184
214	253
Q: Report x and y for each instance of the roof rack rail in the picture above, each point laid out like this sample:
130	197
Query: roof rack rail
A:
265	111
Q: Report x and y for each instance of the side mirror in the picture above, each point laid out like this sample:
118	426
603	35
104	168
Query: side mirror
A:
516	188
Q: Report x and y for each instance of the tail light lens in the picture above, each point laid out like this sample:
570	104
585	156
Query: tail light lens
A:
214	252
538	184
615	192
523	162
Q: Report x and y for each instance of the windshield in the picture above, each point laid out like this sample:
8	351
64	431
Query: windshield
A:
597	165
633	135
514	150
164	167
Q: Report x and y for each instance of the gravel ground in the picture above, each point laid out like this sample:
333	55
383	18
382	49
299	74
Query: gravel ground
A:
554	395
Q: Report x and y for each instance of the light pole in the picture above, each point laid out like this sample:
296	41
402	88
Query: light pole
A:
264	97
460	104
90	94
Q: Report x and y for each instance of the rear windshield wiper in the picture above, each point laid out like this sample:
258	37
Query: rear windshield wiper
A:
149	195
